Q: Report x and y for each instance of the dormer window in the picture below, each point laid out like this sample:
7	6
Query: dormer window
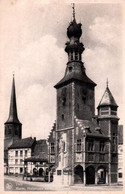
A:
98	129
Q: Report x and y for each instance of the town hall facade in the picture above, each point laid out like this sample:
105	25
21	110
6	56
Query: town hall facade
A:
86	144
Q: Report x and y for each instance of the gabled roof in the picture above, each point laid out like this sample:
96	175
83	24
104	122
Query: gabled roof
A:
107	99
22	143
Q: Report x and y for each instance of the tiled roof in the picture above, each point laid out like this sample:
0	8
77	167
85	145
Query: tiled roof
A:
90	128
107	98
23	143
42	157
80	76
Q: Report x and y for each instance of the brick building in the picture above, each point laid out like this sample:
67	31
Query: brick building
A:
86	144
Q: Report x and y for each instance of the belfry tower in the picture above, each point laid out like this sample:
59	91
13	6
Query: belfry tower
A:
75	92
75	99
13	127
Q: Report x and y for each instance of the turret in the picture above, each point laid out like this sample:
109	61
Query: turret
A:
107	107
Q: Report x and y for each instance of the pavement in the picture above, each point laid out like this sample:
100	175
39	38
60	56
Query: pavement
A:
12	183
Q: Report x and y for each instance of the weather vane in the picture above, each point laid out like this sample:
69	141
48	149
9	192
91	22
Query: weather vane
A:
13	74
107	82
73	7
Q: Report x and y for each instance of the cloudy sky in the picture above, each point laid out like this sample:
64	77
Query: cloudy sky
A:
32	42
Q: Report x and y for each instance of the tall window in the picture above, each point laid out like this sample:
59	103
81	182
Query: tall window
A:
52	148
90	145
78	145
16	161
102	146
71	55
21	161
16	153
25	153
21	153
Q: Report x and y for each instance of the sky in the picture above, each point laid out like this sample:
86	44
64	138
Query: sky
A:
32	43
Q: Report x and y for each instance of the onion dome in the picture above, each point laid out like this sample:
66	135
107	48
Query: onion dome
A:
74	29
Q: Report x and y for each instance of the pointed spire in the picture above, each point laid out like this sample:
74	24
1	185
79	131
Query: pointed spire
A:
107	98
13	118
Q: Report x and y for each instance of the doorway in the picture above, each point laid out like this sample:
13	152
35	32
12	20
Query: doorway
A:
90	175
78	174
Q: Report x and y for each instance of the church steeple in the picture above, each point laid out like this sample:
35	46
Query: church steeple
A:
13	117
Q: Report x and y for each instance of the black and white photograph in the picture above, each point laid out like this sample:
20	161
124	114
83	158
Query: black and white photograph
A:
62	105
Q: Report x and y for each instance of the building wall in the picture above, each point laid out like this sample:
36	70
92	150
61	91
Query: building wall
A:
120	163
52	145
64	107
16	162
84	101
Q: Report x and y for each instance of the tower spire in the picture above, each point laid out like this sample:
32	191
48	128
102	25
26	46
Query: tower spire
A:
73	8
13	118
